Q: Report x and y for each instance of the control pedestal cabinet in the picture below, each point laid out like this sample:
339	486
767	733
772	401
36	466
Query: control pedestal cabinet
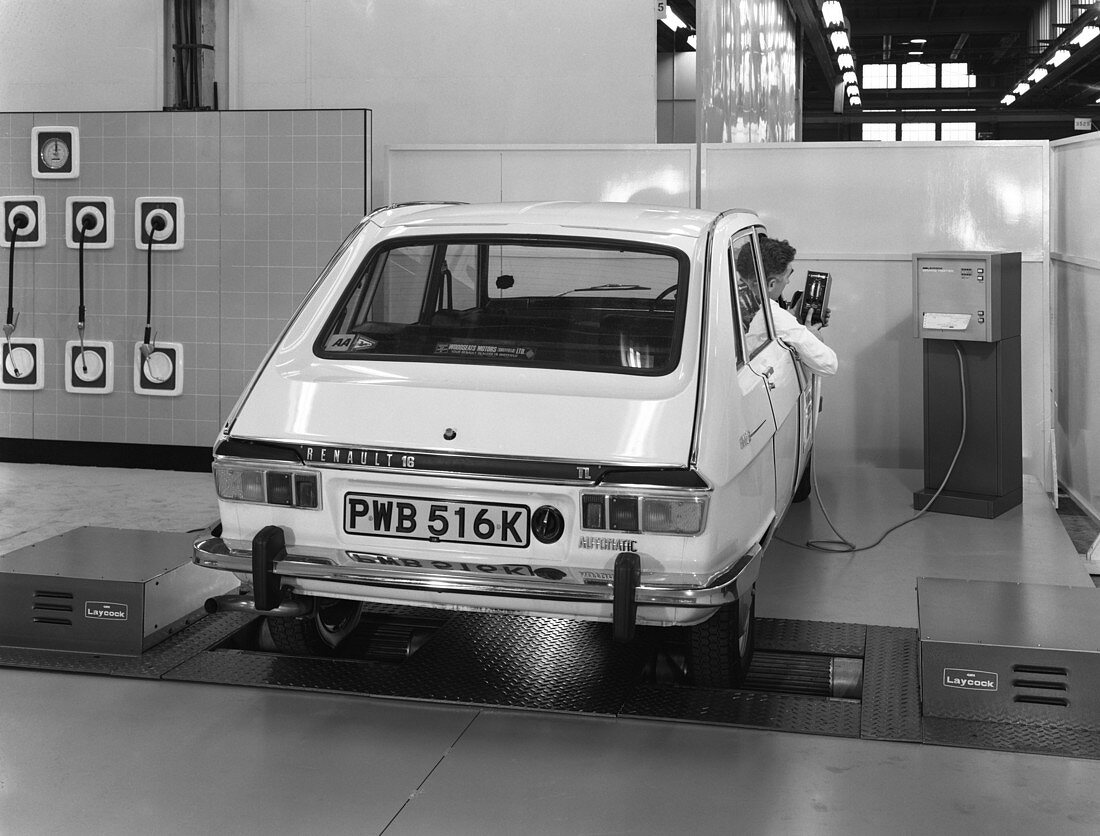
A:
967	309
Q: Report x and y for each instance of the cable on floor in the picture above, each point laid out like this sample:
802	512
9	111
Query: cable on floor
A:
843	544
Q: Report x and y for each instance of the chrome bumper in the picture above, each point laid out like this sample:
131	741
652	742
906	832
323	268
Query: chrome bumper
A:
729	585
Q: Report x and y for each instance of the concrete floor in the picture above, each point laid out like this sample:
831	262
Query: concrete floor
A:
108	755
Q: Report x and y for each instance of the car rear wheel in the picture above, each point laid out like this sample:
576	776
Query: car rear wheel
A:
317	634
805	485
721	647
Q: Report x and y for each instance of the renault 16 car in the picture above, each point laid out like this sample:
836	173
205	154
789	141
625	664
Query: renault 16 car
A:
564	410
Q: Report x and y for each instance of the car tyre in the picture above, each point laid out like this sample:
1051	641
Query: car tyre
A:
721	647
805	484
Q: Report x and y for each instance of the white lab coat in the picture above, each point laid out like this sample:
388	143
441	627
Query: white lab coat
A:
814	354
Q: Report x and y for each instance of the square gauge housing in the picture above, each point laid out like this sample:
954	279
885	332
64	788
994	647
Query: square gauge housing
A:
167	209
21	364
161	373
89	369
96	216
30	207
55	152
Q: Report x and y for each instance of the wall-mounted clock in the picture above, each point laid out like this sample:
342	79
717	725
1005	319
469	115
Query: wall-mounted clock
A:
55	152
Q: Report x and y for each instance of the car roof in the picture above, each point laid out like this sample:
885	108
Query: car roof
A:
575	216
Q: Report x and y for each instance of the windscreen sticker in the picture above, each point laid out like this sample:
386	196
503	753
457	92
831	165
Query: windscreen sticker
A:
349	342
339	342
364	343
514	352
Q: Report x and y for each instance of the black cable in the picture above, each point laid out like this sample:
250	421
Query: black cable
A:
86	223
149	289
80	308
846	546
17	223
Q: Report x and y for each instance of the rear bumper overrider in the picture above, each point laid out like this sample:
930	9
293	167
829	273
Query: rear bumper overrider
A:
214	553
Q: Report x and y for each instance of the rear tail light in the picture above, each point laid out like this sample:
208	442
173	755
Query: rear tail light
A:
652	515
668	516
623	513
272	486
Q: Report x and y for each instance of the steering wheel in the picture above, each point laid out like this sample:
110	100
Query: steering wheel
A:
666	292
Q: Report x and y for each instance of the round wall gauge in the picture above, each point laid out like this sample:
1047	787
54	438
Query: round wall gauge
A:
55	153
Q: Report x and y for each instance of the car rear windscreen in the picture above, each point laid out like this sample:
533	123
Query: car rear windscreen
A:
572	304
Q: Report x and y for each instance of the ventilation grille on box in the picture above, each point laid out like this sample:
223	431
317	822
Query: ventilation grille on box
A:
48	606
1041	685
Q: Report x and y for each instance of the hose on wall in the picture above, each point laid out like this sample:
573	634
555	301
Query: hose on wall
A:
156	224
17	222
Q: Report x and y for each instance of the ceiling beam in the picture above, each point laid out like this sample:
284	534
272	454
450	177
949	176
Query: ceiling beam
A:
959	44
806	12
1003	115
941	26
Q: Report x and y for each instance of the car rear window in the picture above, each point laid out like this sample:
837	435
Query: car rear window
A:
552	303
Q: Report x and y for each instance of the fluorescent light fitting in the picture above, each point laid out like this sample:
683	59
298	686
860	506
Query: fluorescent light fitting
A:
671	20
1086	35
1037	75
845	61
916	52
853	90
850	77
1021	88
691	41
1009	99
855	101
832	13
840	40
1059	57
920	41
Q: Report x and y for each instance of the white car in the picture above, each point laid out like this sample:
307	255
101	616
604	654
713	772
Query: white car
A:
546	408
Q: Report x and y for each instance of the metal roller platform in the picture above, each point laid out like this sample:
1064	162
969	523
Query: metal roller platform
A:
846	680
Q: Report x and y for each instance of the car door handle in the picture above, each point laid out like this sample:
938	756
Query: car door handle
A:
746	437
767	375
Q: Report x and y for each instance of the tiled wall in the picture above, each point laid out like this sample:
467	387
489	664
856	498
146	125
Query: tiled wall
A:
267	195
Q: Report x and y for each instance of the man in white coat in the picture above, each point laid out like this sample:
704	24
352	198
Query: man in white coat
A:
817	357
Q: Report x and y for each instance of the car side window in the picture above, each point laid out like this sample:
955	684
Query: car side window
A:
749	296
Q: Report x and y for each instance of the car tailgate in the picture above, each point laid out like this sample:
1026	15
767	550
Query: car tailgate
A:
475	410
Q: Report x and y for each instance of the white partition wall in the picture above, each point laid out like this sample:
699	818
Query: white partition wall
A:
659	174
76	56
443	71
859	211
1075	277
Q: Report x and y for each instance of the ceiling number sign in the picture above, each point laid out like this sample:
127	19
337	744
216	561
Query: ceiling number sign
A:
55	152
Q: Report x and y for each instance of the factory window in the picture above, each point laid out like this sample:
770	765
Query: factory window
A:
880	131
956	75
918	132
880	76
916	74
954	131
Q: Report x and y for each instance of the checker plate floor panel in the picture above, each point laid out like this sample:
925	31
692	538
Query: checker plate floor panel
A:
539	664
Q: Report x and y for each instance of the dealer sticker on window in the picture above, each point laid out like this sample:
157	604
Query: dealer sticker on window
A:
485	350
438	521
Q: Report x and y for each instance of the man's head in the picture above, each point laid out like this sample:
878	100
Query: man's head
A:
777	257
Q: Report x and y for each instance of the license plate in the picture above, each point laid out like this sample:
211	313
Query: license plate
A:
438	521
